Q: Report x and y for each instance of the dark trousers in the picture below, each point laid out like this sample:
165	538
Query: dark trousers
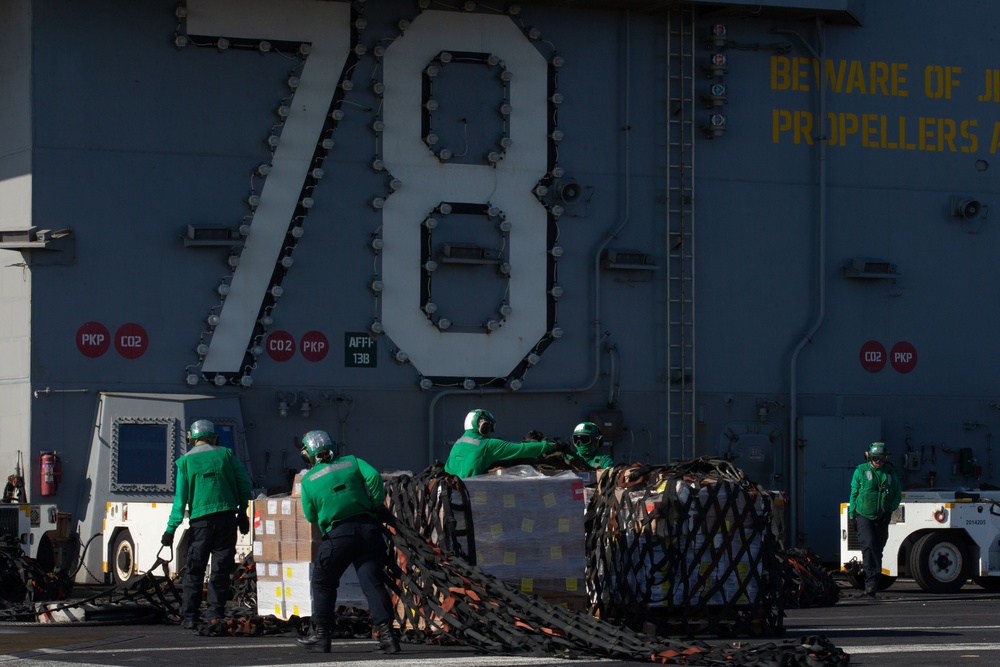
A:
210	535
872	536
359	542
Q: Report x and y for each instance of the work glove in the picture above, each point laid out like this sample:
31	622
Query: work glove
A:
167	540
852	524
534	436
564	447
243	522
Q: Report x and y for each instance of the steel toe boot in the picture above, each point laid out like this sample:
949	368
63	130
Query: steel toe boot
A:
388	639
318	641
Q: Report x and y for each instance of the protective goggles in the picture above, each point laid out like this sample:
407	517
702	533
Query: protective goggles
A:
582	439
882	458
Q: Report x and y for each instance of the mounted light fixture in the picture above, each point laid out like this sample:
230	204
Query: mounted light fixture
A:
717	65
717	36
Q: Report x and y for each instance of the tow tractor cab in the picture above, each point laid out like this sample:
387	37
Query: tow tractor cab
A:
939	537
42	532
128	494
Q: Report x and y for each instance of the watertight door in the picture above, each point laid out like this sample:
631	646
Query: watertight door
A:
831	447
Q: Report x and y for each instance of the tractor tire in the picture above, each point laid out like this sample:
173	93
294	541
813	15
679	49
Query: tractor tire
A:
939	562
122	559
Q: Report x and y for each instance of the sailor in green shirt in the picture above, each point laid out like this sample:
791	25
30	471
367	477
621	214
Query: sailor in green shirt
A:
875	494
343	495
475	452
587	438
213	488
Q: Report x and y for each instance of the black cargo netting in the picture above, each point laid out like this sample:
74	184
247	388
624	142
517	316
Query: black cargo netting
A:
807	582
442	598
687	547
23	581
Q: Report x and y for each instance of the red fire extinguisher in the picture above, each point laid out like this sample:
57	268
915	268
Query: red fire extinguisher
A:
51	466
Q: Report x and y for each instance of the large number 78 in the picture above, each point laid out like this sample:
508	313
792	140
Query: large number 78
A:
425	181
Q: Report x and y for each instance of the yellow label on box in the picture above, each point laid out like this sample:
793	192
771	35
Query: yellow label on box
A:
527	525
527	585
563	525
572	584
508	500
295	610
509	558
277	591
479	498
549	499
555	553
496	530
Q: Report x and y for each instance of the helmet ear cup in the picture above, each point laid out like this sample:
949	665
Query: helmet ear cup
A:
485	426
304	453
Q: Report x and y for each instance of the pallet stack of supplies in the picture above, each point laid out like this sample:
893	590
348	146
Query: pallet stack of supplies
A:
299	538
298	596
529	532
267	539
270	590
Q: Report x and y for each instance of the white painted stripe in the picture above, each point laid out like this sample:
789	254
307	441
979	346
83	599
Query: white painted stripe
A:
813	630
920	648
395	661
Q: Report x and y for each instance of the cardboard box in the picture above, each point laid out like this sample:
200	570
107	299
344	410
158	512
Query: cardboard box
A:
271	599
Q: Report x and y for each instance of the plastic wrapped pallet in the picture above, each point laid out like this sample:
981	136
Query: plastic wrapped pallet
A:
529	532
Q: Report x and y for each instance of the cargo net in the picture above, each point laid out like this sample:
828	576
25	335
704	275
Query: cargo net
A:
442	598
686	547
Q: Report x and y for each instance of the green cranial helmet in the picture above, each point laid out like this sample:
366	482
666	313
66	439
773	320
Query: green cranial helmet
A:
202	429
480	421
318	446
587	437
877	452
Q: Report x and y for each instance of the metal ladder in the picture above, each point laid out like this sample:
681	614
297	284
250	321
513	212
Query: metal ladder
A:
680	232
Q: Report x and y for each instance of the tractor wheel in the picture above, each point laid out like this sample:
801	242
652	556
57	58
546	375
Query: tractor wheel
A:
939	562
123	558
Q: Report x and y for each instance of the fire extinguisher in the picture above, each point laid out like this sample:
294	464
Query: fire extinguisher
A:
51	466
